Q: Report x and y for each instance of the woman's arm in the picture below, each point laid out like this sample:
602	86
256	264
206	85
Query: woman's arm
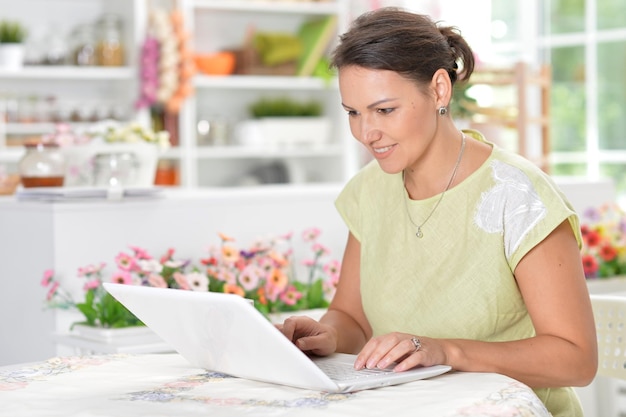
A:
344	328
564	350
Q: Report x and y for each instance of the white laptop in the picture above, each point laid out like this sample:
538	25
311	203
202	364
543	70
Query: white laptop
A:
225	333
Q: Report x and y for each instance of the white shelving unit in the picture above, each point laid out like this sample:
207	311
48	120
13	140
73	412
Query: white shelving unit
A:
219	25
73	87
214	25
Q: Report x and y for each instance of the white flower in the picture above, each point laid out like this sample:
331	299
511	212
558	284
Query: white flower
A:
149	265
198	281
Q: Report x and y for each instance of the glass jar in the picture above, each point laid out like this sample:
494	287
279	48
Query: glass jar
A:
116	169
42	165
110	47
84	47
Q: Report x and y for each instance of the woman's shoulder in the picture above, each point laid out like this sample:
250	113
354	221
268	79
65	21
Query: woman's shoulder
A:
503	156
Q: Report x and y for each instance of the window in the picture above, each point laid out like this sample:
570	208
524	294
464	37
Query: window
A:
584	41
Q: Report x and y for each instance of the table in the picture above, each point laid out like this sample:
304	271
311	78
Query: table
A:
165	384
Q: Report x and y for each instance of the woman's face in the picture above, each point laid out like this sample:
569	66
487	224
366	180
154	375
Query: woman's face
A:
389	115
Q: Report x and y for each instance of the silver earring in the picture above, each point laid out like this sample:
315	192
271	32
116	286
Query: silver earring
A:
442	110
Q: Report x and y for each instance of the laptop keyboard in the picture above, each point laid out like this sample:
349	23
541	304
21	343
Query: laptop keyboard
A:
345	371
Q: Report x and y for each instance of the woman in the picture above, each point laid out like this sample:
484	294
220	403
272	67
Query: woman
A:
459	253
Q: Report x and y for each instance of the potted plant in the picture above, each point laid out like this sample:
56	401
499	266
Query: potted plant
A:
278	278
12	36
285	122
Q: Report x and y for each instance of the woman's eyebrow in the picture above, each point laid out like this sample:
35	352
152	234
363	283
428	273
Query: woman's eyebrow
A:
370	106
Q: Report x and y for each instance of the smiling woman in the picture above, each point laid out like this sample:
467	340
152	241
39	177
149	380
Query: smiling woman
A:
454	242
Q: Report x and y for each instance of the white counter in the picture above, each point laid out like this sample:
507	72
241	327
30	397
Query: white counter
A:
35	236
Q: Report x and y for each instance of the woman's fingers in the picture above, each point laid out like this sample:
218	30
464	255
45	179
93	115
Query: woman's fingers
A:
400	350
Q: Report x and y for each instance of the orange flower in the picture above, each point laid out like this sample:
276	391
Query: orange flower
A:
278	279
279	259
226	238
230	254
233	289
261	294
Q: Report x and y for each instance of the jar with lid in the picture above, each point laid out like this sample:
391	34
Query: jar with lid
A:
116	169
84	45
42	165
110	46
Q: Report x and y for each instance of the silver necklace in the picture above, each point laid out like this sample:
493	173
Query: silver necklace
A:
419	232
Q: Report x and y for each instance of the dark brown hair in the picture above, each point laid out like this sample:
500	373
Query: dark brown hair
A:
410	44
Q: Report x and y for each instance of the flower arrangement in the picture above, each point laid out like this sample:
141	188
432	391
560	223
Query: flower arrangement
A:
604	241
110	131
265	272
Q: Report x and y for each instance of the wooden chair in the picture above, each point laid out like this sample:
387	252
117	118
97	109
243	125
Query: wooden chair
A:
610	315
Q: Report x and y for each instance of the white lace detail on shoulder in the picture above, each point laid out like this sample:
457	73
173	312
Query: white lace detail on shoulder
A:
511	207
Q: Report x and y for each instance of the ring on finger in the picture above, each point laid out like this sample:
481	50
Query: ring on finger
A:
416	342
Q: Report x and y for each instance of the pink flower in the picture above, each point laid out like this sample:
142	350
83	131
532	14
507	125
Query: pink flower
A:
181	281
320	249
122	277
157	281
91	284
309	235
89	270
226	275
168	255
48	276
332	268
140	253
125	261
53	290
249	277
290	296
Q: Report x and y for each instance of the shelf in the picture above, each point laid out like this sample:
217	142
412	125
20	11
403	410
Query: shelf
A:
40	128
263	82
261	6
249	152
11	154
70	73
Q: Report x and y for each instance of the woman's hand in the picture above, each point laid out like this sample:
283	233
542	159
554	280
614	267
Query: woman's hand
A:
405	350
310	335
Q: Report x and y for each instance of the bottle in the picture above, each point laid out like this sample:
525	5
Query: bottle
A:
110	47
42	165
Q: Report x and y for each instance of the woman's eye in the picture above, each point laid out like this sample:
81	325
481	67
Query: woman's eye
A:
385	111
351	113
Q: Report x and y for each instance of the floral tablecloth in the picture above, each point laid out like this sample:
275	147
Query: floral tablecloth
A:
166	385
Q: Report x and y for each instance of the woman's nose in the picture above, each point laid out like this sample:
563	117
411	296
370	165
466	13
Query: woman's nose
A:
369	131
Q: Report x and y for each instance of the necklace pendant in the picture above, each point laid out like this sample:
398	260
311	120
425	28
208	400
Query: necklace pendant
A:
419	233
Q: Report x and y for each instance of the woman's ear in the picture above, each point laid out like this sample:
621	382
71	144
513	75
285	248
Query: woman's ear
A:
442	86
